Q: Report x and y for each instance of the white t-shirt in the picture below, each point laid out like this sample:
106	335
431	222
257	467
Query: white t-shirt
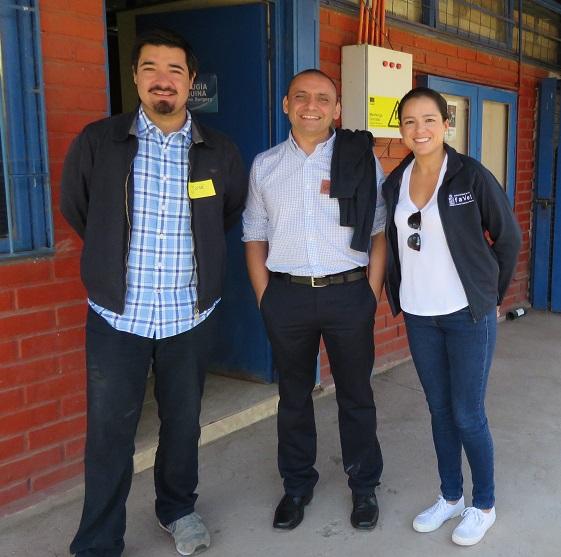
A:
430	284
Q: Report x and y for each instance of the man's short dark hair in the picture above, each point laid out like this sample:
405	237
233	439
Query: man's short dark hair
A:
311	71
418	92
164	37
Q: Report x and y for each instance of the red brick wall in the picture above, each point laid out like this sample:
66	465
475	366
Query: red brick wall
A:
42	308
444	59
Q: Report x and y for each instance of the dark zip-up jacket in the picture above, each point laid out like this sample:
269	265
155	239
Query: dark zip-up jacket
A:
471	203
97	200
353	180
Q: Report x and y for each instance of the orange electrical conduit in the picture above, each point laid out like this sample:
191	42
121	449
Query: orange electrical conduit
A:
372	22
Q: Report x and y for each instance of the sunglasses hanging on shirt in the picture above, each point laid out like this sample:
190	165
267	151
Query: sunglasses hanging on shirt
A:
414	222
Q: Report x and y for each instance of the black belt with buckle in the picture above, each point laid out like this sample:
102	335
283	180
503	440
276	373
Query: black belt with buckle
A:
326	280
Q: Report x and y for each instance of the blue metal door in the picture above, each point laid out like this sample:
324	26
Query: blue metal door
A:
545	290
232	43
555	300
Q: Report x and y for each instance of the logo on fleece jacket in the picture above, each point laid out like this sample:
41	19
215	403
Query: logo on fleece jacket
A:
460	199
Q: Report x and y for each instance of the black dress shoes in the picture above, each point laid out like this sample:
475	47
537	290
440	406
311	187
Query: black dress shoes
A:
290	511
365	511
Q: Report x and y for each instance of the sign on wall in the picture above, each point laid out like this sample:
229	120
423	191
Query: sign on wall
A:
382	112
204	94
452	111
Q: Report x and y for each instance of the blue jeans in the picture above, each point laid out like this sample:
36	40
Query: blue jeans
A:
453	354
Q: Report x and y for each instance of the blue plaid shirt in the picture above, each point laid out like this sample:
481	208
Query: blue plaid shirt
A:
161	297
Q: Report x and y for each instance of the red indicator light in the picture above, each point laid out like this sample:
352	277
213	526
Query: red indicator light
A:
392	65
398	66
385	63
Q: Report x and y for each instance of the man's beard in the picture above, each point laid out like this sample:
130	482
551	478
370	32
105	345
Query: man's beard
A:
163	107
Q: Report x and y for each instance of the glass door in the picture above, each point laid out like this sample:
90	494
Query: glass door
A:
483	125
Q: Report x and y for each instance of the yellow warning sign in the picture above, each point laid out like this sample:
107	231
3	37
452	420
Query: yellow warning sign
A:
382	112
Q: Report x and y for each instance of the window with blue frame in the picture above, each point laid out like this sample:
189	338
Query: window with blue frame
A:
541	31
494	23
482	125
487	21
25	217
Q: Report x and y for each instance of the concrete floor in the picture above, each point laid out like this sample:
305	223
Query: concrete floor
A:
240	487
226	401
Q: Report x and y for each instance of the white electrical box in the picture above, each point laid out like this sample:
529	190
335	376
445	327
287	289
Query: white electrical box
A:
373	80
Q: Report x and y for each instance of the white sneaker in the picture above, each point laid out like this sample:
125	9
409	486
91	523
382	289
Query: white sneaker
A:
474	525
434	517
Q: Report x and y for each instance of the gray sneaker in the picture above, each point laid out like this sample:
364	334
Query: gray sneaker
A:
189	533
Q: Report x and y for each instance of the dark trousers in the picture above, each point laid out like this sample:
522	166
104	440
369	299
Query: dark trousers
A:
296	316
117	369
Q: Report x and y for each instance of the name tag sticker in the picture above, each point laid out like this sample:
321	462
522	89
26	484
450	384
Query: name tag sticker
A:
203	188
325	187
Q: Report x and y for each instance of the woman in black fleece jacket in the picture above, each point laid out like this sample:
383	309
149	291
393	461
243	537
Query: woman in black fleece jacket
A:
452	243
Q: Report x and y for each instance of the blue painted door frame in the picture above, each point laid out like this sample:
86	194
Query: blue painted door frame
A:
555	300
545	287
296	48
